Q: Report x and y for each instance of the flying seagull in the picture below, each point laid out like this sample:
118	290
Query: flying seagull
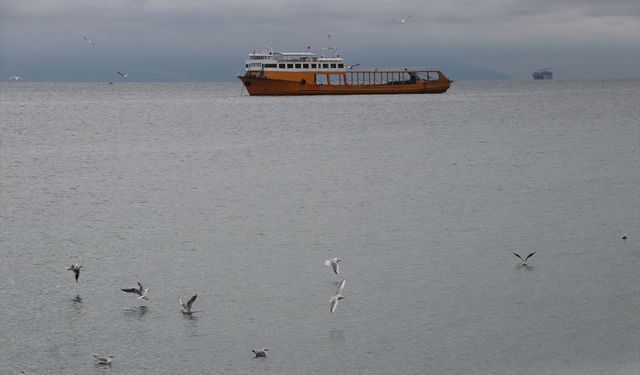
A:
624	237
260	353
76	270
353	66
89	40
141	291
405	20
186	307
123	75
334	264
333	302
524	261
104	360
15	78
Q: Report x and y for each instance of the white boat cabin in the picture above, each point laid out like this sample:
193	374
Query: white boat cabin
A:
294	61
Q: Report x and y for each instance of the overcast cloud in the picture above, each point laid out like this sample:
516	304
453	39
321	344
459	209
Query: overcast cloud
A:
193	40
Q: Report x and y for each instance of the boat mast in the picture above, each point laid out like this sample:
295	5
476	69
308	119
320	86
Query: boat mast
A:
329	48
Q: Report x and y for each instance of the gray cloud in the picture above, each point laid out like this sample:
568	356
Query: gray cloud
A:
511	36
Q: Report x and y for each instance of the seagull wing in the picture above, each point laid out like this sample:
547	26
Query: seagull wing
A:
341	286
327	262
141	287
336	267
334	303
77	272
518	256
130	290
184	307
529	256
190	302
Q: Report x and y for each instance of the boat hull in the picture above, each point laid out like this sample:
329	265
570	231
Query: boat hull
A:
257	85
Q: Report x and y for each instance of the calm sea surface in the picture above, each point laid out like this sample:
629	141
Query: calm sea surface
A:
193	188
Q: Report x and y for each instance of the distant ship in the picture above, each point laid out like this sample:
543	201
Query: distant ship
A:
542	74
304	73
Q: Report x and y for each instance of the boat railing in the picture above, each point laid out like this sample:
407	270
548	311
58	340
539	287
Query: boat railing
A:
378	77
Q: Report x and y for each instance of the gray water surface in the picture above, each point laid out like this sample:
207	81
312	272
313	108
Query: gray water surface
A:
192	188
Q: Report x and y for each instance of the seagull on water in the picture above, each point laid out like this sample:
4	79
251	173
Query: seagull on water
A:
15	78
524	261
186	307
334	264
76	270
260	353
141	291
104	360
333	302
89	40
123	75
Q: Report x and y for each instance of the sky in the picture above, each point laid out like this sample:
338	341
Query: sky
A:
208	40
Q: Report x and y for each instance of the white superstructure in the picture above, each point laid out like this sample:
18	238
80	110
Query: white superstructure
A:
294	61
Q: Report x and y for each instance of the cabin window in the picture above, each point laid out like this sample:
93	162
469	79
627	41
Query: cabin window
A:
340	65
428	75
298	66
270	65
246	65
325	65
313	66
335	79
306	66
321	79
333	66
289	66
281	66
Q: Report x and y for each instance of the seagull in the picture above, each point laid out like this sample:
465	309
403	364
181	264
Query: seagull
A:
353	66
104	360
141	291
334	264
624	237
186	307
76	270
261	353
89	40
524	261
15	78
405	20
123	75
333	302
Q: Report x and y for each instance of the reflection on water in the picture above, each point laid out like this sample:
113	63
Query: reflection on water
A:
527	267
189	316
136	312
191	322
77	299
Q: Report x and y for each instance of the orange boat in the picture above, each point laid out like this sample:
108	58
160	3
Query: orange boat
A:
304	73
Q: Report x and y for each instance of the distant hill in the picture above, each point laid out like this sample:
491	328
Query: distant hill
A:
460	71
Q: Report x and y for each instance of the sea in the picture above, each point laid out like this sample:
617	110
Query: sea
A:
199	188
